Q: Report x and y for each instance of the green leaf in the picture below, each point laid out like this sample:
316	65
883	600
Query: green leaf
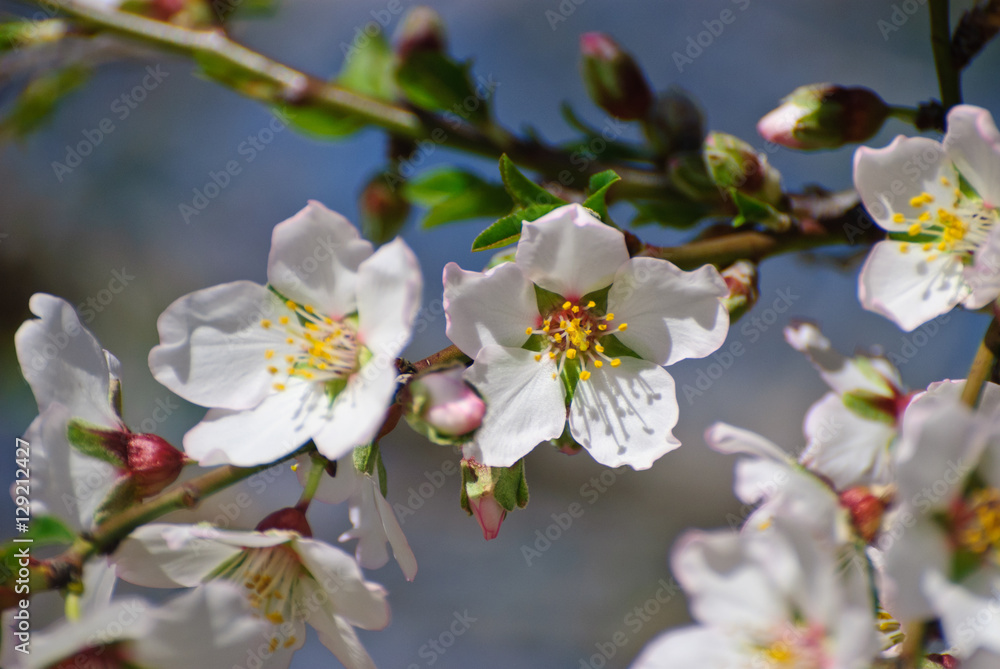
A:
508	229
431	80
97	442
675	213
510	486
523	190
454	195
869	406
752	210
598	189
322	123
368	70
37	102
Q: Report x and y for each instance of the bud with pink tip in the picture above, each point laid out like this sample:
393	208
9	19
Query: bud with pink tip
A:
741	280
824	116
153	463
444	407
422	30
488	493
866	511
614	80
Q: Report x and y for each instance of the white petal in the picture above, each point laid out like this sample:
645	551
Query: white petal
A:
524	404
337	635
983	275
726	438
887	179
912	549
906	288
63	362
314	260
491	307
167	556
389	288
358	601
570	252
973	144
846	448
283	422
788	492
210	626
359	410
841	373
970	621
671	314
624	415
332	489
212	345
375	524
689	647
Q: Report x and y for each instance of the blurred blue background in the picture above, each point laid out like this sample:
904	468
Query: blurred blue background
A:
119	211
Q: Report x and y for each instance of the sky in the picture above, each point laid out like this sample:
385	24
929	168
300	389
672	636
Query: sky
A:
115	220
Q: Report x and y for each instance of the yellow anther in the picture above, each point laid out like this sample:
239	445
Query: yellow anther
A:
289	642
553	376
616	362
591	304
609	317
602	326
598	363
272	370
558	336
927	246
311	326
272	645
528	331
295	466
265	323
917	201
289	340
567	304
924	217
268	354
575	309
932	257
623	327
290	371
279	386
598	348
275	618
914	229
310	308
904	248
571	353
538	357
898	218
290	359
942	246
291	305
584	375
945	182
552	355
283	320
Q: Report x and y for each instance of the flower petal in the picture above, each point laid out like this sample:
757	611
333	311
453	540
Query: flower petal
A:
841	373
277	426
332	489
726	438
888	178
337	635
960	609
491	307
570	252
159	555
624	415
693	646
524	404
671	314
63	362
983	275
375	524
389	288
358	601
314	260
973	144
212	345
359	410
908	289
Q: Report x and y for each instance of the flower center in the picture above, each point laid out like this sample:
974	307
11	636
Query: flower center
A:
960	228
979	524
327	350
272	579
796	648
573	332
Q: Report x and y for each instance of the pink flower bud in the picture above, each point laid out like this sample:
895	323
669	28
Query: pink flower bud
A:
489	514
383	210
153	463
614	80
866	511
449	404
824	116
289	518
421	30
741	280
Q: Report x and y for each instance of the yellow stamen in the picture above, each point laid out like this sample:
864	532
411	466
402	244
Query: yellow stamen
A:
623	327
584	375
898	218
279	386
571	353
265	323
538	357
914	229
609	317
272	370
567	304
616	362
528	331
598	363
591	304
268	354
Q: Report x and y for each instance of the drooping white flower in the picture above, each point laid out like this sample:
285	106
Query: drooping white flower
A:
970	621
375	523
289	578
309	356
208	627
574	316
769	600
940	202
851	430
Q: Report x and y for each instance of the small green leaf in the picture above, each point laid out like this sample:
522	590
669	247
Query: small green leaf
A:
510	486
322	123
433	81
523	190
868	406
37	102
368	70
508	229
598	189
752	210
455	195
97	442
675	213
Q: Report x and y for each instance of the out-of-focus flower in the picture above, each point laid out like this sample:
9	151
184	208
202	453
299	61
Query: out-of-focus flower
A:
614	80
824	116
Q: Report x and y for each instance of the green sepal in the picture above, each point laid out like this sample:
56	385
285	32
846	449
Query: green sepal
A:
43	530
123	494
507	485
39	99
598	189
752	210
433	81
453	194
368	460
867	369
507	230
97	442
523	190
867	405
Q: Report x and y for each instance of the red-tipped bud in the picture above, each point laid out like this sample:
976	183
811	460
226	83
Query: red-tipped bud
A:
866	511
614	80
422	30
741	280
153	463
444	407
489	514
824	116
489	493
676	123
946	661
289	518
383	210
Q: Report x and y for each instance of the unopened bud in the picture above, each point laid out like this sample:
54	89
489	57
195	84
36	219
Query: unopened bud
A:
566	444
741	280
448	406
422	30
866	511
383	210
613	79
824	116
677	122
733	163
153	463
489	493
289	518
